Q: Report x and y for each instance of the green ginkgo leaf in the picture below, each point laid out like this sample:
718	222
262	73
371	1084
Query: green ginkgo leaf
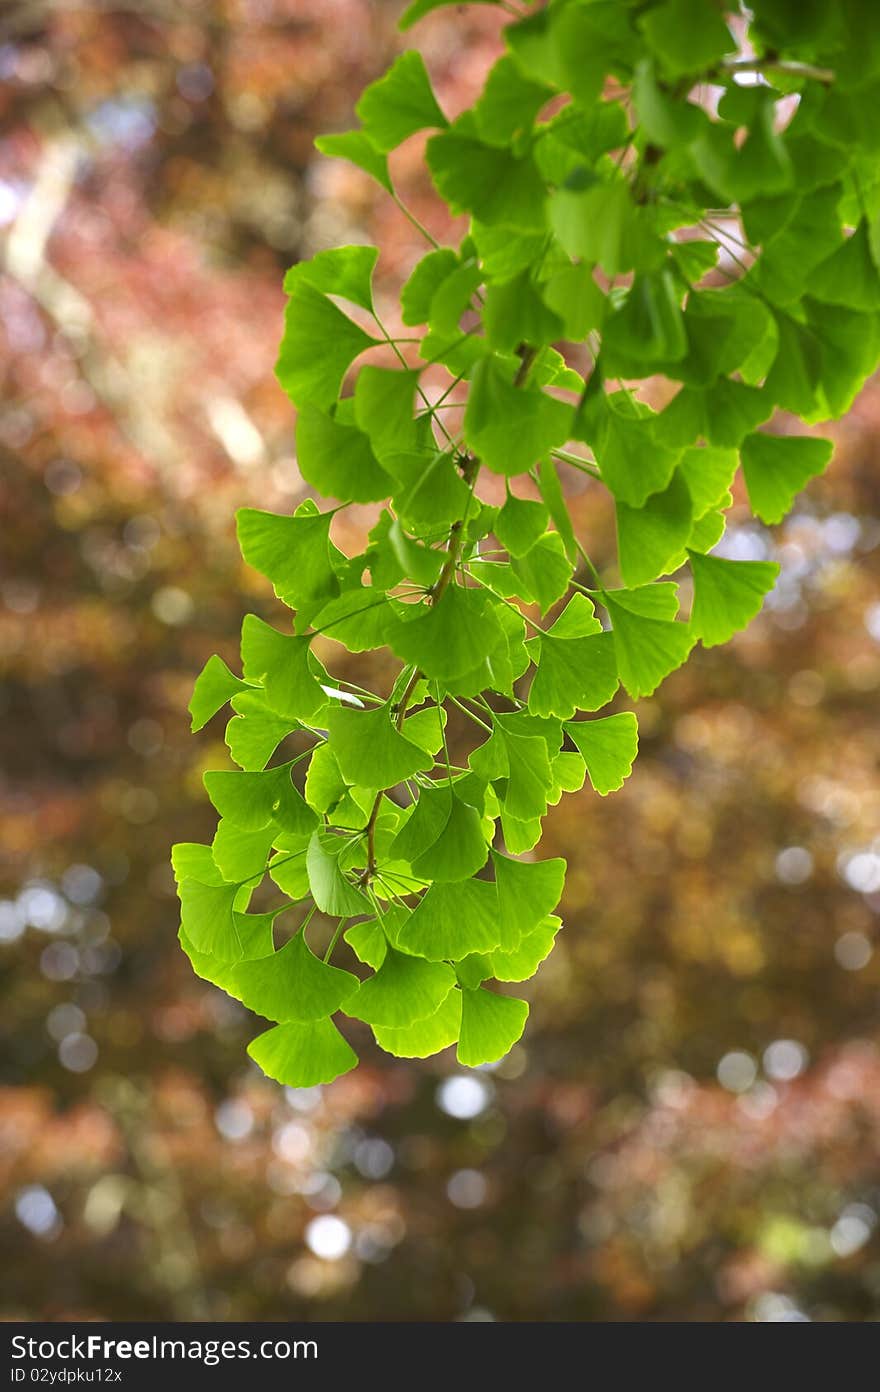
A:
357	147
319	345
521	963
207	919
358	619
519	524
576	664
647	646
254	935
452	636
527	892
727	595
303	1056
460	849
337	460
288	870
190	860
254	800
523	761
633	456
425	728
426	278
256	730
383	411
240	854
608	748
687	35
650	537
332	892
453	920
511	427
498	187
509	102
370	751
490	1026
368	942
708	473
404	989
214	686
776	468
292	552
346	271
400	103
849	275
293	984
545	570
424	823
283	664
424	1037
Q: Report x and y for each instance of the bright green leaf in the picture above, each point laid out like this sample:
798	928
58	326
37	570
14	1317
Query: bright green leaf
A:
527	892
608	748
356	147
400	103
332	892
453	920
337	460
214	686
776	467
647	648
727	595
346	271
370	751
303	1056
511	427
424	1037
404	989
293	984
319	345
283	663
490	1026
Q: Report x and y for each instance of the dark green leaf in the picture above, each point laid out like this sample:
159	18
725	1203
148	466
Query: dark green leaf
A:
497	187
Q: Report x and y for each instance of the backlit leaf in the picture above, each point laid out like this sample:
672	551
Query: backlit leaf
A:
293	984
303	1056
727	595
490	1026
608	748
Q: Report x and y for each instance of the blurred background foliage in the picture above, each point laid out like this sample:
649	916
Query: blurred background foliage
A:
690	1130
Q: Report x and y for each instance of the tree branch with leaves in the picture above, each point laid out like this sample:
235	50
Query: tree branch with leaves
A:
593	170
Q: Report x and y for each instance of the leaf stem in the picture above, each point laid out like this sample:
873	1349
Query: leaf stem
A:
419	226
335	939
